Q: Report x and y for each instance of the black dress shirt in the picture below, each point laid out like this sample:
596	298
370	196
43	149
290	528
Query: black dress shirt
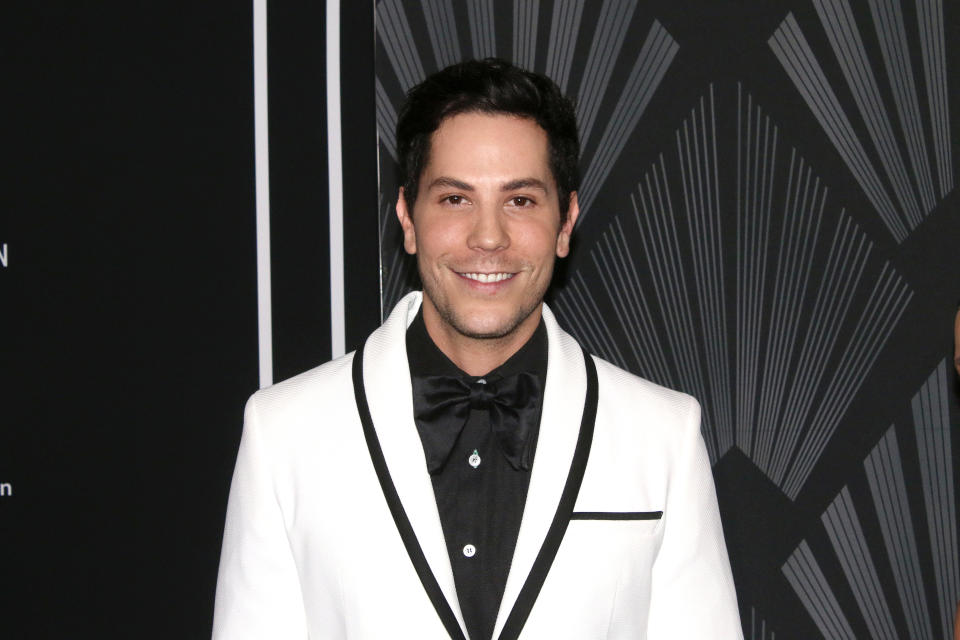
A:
480	496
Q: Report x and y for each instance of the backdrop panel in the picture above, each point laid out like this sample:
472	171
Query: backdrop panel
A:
768	222
129	311
129	288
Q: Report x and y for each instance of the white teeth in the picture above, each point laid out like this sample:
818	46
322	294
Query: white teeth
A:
487	277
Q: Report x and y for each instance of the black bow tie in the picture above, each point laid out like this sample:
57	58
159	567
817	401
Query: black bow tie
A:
442	404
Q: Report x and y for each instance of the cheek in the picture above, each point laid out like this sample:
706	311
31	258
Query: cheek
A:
540	245
442	239
432	252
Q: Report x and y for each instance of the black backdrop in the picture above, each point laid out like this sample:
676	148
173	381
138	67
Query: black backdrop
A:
128	298
128	301
129	310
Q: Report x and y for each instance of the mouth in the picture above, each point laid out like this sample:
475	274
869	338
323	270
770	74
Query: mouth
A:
487	278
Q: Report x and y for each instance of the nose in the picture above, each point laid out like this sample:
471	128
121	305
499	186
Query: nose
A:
489	231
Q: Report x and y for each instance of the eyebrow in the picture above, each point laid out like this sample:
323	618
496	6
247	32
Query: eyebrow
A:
513	185
445	181
525	183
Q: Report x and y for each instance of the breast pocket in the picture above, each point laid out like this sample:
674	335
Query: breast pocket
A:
603	555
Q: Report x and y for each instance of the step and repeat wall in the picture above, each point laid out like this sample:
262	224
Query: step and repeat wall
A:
769	221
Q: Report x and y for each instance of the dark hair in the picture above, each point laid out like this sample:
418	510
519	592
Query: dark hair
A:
488	86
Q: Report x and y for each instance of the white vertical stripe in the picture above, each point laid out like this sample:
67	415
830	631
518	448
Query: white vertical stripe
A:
335	169
262	169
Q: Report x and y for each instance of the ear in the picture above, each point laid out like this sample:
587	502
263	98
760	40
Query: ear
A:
566	229
406	223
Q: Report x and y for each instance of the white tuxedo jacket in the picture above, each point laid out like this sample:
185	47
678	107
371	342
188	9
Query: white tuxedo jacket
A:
317	544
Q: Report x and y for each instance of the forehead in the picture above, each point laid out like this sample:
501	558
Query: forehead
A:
489	145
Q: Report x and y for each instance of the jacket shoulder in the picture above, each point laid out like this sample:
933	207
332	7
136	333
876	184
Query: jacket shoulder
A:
322	390
641	388
626	392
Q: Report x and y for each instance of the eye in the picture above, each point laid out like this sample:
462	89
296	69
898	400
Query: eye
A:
454	200
521	202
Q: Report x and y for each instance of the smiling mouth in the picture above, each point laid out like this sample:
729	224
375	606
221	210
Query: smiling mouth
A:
487	278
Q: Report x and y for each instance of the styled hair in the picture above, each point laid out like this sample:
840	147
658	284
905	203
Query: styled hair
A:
490	86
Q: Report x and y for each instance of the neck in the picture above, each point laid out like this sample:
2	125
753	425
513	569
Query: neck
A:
477	356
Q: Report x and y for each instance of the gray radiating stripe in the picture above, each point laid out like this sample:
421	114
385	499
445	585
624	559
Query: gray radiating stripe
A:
759	631
930	18
755	171
564	26
574	305
886	304
652	62
442	29
397	39
803	209
885	477
892	34
579	302
932	423
386	120
526	15
794	53
613	291
846	534
804	575
618	274
655	356
832	300
594	319
607	40
838	21
696	151
567	316
845	264
661	247
480	16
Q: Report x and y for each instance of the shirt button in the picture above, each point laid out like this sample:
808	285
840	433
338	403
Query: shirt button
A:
474	459
469	550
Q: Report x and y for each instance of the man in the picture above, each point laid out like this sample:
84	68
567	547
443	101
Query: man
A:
471	472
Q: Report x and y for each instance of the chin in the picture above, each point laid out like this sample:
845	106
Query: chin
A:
484	332
484	324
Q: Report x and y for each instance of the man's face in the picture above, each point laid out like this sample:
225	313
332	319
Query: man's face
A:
486	225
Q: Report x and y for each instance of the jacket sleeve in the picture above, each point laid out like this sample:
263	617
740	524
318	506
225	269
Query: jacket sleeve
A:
258	590
692	593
